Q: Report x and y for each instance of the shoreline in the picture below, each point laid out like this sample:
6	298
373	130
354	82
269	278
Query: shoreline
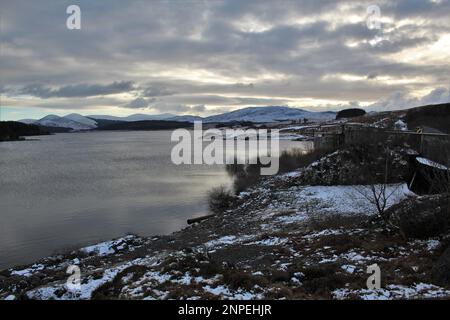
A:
281	239
249	252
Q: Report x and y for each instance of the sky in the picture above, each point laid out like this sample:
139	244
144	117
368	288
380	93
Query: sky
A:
204	57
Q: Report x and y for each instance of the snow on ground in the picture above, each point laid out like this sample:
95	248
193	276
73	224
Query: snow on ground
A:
28	271
268	236
227	240
400	125
83	293
298	204
89	282
416	291
225	293
273	241
294	128
431	163
109	247
350	199
348	268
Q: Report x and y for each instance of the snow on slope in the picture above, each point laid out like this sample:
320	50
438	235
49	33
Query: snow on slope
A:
187	118
135	117
140	117
253	114
62	122
81	119
270	114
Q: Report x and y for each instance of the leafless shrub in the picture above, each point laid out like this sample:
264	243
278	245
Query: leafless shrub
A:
248	175
377	190
220	199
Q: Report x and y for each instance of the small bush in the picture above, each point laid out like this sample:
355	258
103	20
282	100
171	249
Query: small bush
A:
220	199
323	279
421	218
334	221
248	175
240	280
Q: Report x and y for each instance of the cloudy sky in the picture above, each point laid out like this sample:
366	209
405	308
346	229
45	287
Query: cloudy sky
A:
210	56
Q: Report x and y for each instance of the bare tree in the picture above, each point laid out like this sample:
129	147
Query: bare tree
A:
378	190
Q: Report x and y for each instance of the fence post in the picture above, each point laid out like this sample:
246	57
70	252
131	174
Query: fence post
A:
421	143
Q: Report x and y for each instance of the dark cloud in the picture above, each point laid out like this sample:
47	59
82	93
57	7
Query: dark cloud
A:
222	53
138	103
157	91
78	90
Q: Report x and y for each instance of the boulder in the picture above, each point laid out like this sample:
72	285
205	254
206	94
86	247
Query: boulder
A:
421	217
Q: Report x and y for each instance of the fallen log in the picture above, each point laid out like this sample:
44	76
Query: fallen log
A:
199	219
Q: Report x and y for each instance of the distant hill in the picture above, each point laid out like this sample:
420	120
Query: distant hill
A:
134	117
434	116
146	125
187	118
350	113
72	121
13	130
270	114
78	122
104	122
81	119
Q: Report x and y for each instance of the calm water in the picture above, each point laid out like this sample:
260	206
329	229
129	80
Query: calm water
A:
70	190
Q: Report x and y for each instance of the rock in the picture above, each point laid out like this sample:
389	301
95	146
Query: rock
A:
441	269
421	217
60	292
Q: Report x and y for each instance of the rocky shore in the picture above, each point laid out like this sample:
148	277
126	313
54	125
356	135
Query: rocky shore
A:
282	239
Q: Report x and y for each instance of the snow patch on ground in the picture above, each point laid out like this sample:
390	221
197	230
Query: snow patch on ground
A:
29	271
274	241
417	291
108	247
226	241
431	163
225	293
349	199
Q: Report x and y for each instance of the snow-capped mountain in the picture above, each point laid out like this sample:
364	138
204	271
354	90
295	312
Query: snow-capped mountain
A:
27	121
62	122
187	118
81	119
141	117
270	114
254	114
135	117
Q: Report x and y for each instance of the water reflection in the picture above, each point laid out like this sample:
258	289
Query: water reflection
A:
69	190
